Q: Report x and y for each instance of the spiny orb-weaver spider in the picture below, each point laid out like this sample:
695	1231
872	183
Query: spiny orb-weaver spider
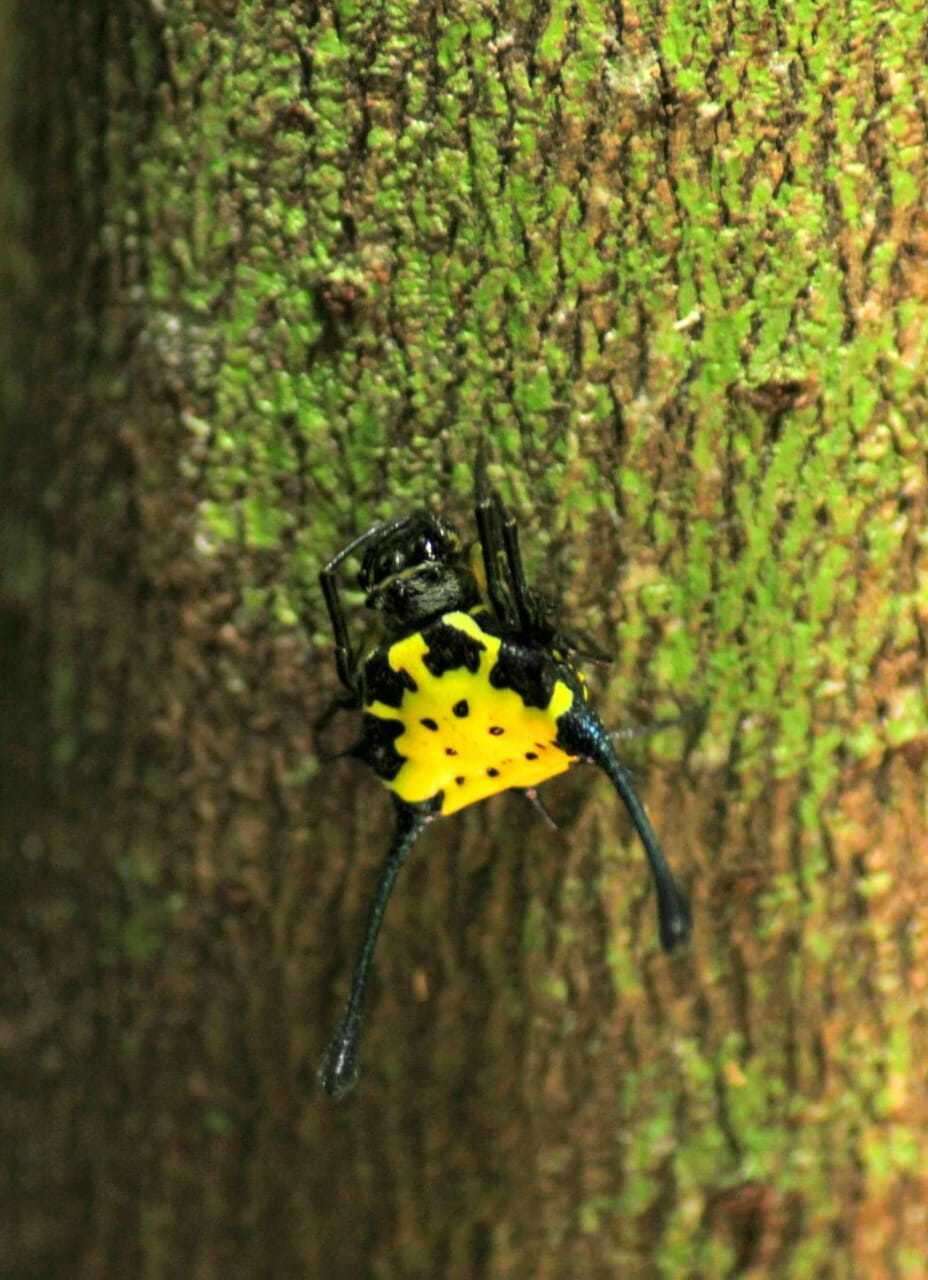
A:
474	690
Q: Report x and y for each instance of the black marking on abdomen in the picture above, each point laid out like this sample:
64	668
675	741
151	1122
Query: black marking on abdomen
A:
529	673
461	709
377	746
450	649
383	684
496	730
429	723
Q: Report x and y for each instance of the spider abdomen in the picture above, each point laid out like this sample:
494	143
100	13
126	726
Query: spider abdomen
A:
461	710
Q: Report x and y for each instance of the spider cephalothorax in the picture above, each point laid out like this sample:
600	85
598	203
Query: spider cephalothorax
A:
414	572
475	690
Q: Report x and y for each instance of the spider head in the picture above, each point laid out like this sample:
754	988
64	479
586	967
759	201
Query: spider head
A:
415	571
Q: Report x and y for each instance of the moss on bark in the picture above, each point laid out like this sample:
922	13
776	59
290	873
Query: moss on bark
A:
293	261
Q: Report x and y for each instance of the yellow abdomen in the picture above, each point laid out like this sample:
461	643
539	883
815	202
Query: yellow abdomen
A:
462	735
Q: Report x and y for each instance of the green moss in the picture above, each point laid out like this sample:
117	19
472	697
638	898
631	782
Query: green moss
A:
658	277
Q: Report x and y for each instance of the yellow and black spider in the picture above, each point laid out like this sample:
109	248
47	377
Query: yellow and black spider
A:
474	690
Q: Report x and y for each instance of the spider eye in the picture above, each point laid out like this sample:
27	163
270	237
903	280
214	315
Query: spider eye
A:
420	540
435	545
389	563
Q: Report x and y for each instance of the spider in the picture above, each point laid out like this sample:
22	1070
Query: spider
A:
475	689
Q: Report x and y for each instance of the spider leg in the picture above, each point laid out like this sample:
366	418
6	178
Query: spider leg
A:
346	660
538	805
499	541
341	702
629	732
693	718
339	1068
586	649
582	734
520	591
487	517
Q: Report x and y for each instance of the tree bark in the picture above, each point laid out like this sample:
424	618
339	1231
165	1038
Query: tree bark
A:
277	268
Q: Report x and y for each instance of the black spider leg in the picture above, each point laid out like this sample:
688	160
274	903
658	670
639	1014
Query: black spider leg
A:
520	589
499	542
581	733
341	702
339	1068
586	649
346	660
487	516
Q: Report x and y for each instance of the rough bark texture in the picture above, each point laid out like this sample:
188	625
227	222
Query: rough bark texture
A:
279	265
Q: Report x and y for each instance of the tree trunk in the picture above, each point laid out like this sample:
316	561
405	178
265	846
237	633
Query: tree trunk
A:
278	267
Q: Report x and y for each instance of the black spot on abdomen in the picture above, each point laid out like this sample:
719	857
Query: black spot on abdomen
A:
450	650
461	709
